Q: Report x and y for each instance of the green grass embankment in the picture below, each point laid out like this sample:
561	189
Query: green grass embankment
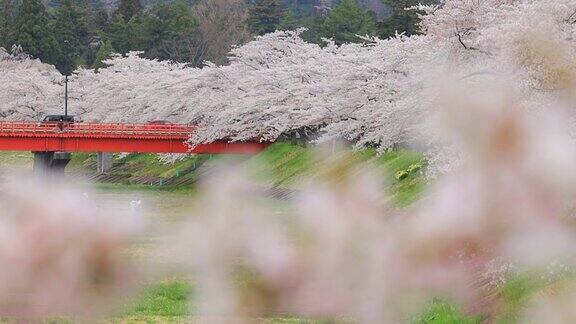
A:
281	165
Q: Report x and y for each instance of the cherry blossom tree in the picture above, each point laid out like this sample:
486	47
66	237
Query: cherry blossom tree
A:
29	87
273	86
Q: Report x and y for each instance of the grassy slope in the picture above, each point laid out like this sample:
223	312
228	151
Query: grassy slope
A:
285	165
443	313
280	165
138	165
167	301
141	171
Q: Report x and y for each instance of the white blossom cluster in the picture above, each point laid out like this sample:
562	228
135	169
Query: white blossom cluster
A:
28	88
274	85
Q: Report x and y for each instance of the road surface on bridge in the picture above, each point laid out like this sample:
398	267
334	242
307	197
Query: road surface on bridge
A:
108	137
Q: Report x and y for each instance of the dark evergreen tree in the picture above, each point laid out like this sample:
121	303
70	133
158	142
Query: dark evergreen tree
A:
97	23
168	31
288	21
348	20
71	32
265	16
314	29
97	18
301	8
401	21
129	9
126	35
6	21
33	32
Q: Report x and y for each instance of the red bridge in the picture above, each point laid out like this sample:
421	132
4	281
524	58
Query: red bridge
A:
97	137
46	138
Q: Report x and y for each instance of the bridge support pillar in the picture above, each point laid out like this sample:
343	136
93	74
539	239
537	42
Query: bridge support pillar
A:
50	163
104	162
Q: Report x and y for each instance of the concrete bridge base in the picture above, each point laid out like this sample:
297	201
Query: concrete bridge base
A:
103	162
49	163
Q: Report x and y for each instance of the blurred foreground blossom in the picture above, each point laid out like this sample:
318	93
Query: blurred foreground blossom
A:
503	211
338	251
60	254
236	235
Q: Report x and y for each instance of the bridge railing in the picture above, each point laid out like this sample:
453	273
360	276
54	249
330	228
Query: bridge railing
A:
94	129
